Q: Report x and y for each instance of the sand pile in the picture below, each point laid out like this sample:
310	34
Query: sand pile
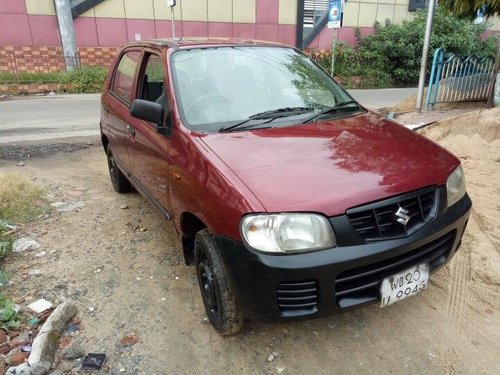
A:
475	138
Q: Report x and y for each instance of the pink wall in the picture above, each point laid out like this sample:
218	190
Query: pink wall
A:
12	7
17	28
34	30
267	11
345	34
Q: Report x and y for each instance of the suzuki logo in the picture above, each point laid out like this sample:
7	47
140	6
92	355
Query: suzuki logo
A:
402	216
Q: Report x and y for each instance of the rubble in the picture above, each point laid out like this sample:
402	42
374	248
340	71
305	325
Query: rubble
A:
67	206
45	344
25	244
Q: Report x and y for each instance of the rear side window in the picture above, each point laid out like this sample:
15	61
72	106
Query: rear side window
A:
124	75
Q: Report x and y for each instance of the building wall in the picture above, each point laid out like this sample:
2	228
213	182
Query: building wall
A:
363	14
113	23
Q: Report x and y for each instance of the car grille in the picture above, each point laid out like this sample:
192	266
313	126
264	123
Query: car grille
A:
379	221
298	298
362	284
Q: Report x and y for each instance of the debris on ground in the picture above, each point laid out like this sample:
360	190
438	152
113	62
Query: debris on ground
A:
67	206
40	305
74	351
93	361
25	244
272	356
129	340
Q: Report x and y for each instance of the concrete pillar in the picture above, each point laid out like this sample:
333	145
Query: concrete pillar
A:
67	32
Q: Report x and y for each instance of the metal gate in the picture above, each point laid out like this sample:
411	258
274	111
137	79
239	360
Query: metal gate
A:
457	80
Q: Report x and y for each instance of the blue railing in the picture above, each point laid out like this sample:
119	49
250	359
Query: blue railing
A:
456	79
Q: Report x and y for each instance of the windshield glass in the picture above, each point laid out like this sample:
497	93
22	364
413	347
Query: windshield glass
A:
224	85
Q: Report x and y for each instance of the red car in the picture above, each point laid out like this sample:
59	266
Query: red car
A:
292	200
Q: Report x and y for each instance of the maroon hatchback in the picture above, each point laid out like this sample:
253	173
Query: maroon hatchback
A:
292	200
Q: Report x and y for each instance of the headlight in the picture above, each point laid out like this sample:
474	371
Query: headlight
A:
283	233
455	186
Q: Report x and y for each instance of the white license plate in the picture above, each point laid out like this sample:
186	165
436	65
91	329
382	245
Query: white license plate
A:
404	284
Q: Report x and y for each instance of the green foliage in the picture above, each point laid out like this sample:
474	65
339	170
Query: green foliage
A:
468	8
85	79
5	241
397	49
392	55
9	319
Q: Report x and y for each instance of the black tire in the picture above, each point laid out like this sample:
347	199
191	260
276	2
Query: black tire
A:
118	179
215	286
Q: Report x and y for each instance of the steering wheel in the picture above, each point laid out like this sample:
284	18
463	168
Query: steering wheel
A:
207	100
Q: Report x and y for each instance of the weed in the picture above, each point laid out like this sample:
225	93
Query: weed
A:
9	318
20	201
85	79
5	240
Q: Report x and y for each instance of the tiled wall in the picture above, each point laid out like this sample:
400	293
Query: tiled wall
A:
115	22
49	59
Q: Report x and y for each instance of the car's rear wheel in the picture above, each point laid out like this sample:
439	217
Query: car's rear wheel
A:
118	179
215	286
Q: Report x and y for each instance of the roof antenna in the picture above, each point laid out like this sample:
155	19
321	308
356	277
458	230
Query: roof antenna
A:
171	4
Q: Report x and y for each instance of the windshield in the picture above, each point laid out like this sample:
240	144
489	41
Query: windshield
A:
217	87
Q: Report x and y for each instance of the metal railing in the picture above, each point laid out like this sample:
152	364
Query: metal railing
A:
459	79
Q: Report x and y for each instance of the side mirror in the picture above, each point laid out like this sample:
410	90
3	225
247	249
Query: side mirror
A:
149	111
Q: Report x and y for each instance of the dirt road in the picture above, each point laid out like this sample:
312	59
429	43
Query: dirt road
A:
126	265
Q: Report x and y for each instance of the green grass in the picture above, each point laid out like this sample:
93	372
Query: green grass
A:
86	79
5	240
20	199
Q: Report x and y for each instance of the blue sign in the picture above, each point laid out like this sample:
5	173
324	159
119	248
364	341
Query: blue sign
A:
334	14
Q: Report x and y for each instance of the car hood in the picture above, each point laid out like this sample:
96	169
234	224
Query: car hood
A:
331	166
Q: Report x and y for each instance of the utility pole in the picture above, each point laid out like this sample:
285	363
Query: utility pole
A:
425	54
67	32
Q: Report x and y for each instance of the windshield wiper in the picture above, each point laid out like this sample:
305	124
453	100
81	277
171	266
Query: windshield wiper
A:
238	126
267	115
330	110
280	112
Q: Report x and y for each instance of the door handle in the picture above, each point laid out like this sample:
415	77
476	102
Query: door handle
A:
131	130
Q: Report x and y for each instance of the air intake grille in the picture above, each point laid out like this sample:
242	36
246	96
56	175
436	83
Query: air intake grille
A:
298	298
380	220
363	283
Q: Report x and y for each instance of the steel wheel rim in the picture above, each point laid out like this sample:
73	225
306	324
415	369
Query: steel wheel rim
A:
209	289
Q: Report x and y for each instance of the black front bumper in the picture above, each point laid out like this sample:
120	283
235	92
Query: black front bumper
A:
281	287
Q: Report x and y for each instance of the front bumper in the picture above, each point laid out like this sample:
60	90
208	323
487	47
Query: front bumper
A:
281	287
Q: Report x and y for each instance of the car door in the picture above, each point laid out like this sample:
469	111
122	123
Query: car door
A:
148	149
116	104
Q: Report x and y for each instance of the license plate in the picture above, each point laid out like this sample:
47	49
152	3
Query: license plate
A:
404	284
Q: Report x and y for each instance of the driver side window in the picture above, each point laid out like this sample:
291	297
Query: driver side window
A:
152	87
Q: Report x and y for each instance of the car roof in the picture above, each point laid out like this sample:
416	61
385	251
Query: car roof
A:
186	43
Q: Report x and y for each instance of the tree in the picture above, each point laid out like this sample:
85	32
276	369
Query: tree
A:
468	8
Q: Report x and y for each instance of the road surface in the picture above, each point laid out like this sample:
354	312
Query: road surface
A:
40	118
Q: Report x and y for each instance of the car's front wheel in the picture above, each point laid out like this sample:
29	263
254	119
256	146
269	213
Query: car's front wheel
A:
215	286
118	179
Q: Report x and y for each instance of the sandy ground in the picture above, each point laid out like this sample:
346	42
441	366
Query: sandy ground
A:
135	279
